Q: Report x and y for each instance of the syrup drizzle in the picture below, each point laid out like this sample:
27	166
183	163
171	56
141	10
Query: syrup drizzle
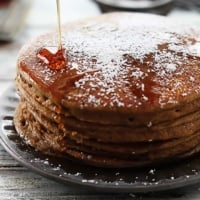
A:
59	25
54	61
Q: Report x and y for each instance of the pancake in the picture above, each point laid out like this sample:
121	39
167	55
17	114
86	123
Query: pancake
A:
130	89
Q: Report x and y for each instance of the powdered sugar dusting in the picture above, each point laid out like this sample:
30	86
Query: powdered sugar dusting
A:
132	60
110	41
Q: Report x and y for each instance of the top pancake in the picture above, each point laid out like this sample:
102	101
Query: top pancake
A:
122	62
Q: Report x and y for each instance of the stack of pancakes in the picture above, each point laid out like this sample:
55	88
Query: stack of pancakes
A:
129	95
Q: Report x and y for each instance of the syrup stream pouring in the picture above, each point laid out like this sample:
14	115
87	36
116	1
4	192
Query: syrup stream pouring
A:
55	60
59	25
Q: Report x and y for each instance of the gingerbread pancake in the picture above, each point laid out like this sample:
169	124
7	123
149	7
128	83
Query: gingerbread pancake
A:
129	88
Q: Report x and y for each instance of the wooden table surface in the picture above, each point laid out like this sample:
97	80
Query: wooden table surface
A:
17	182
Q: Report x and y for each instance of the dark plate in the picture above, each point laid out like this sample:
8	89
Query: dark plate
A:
112	180
151	6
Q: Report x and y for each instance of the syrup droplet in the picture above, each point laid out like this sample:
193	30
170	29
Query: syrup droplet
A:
54	61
